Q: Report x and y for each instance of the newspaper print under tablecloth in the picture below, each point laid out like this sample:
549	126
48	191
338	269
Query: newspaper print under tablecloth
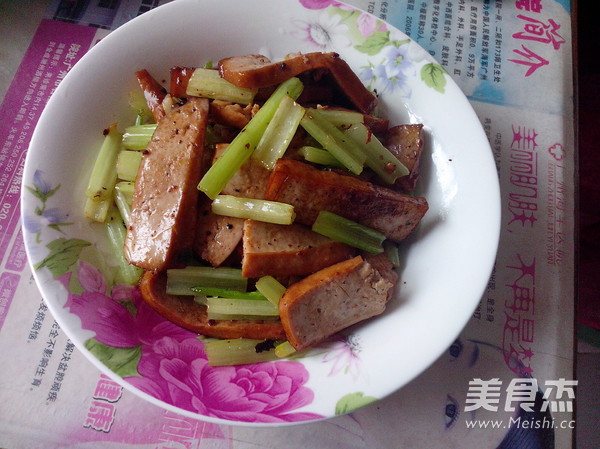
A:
520	86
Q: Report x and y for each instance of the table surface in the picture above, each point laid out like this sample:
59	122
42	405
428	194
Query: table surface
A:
21	23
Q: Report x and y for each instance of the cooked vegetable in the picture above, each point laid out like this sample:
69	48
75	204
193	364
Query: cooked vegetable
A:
240	309
379	158
104	174
253	209
181	281
319	156
227	293
123	205
344	149
270	288
115	228
137	137
246	141
128	164
208	84
279	132
349	232
96	210
239	351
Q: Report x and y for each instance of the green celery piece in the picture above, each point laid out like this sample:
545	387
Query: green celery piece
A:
122	204
279	132
228	293
137	137
208	83
180	281
392	253
239	351
271	288
284	349
128	163
241	148
241	307
104	174
319	156
115	228
126	188
349	232
342	118
254	209
96	210
379	158
334	140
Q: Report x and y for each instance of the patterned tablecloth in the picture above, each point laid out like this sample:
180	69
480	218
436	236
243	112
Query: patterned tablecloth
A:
513	60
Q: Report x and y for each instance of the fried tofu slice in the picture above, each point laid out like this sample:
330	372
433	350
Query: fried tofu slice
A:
311	190
256	71
331	300
287	250
164	209
406	143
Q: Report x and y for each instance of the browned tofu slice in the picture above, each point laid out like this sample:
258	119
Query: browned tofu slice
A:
258	71
185	312
288	250
164	209
406	143
330	300
217	237
311	190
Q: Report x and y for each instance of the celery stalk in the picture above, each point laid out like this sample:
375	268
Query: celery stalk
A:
271	288
284	349
227	293
209	84
319	156
279	132
104	174
349	232
128	163
128	274
379	158
342	118
122	204
250	308
96	210
392	253
333	140
137	137
254	209
240	149
239	351
180	281
126	188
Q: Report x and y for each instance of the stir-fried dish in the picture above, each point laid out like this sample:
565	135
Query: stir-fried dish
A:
261	203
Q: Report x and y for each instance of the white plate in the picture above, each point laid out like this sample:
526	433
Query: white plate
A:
446	262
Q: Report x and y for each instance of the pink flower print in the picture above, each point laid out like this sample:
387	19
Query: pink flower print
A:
179	374
367	24
317	4
90	278
344	356
112	322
